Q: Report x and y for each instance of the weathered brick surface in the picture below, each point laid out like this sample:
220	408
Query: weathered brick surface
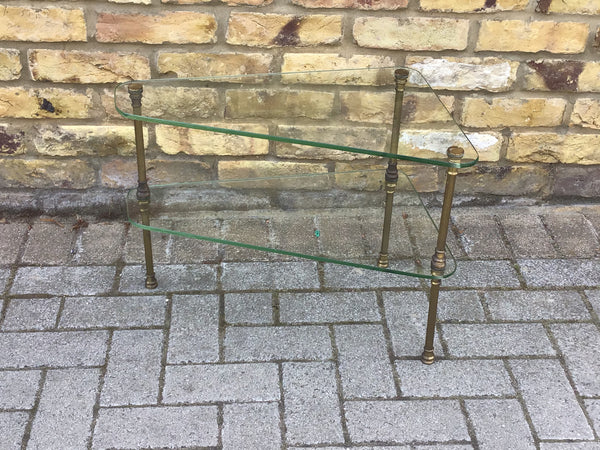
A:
571	7
11	140
473	5
562	75
213	64
355	4
10	65
278	104
553	148
39	173
504	112
48	103
20	23
586	113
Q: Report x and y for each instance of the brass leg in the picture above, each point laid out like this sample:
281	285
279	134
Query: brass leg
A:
391	174
143	191
438	261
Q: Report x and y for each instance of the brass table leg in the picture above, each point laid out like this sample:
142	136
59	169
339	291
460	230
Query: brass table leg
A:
438	261
143	191
391	173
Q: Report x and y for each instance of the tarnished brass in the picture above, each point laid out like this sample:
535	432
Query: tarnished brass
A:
143	191
391	173
438	261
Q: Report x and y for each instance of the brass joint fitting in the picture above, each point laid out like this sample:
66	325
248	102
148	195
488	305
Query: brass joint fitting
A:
438	261
135	94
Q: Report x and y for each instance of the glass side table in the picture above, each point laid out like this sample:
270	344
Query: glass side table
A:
341	200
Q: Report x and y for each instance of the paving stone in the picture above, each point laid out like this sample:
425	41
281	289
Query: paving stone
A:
194	332
580	346
405	421
550	401
18	388
536	305
508	339
252	425
251	382
249	308
364	362
341	237
593	409
442	447
134	367
312	408
4	274
65	412
185	250
560	272
73	348
63	280
463	306
385	447
277	343
499	424
480	236
11	238
406	314
31	314
49	243
570	445
573	234
290	233
328	307
483	274
252	231
100	243
120	312
594	298
339	276
181	426
279	276
527	236
450	378
12	429
162	245
172	278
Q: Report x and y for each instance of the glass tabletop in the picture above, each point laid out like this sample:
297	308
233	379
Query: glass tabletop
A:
307	114
332	217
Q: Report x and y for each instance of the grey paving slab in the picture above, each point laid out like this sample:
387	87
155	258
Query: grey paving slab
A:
573	234
480	235
364	362
283	275
510	339
405	421
12	429
338	276
593	410
52	349
406	314
550	401
18	388
249	308
31	314
379	447
450	378
594	298
311	404
172	278
134	367
291	232
100	243
11	238
247	382
462	306
500	423
252	231
251	425
162	244
536	305
310	342
194	331
64	280
4	275
49	243
560	272
328	307
570	445
120	312
527	236
442	447
184	250
341	237
483	274
65	412
580	346
181	426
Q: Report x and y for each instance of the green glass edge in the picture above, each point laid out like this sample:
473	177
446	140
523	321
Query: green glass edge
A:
288	253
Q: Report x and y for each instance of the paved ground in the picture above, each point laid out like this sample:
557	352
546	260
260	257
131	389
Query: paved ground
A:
239	354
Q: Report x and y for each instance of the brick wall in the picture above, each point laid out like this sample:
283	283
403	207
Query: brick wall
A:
525	73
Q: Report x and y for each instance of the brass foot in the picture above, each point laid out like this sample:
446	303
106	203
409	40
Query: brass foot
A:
151	282
427	357
383	260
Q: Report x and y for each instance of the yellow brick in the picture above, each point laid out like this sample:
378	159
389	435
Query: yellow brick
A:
173	140
278	104
180	27
79	140
586	113
542	147
19	23
372	5
416	33
509	112
277	30
10	65
120	173
61	66
213	64
464	6
45	173
536	36
514	180
423	178
575	7
562	75
12	141
49	103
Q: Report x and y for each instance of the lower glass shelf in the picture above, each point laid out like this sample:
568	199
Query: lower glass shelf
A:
331	217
